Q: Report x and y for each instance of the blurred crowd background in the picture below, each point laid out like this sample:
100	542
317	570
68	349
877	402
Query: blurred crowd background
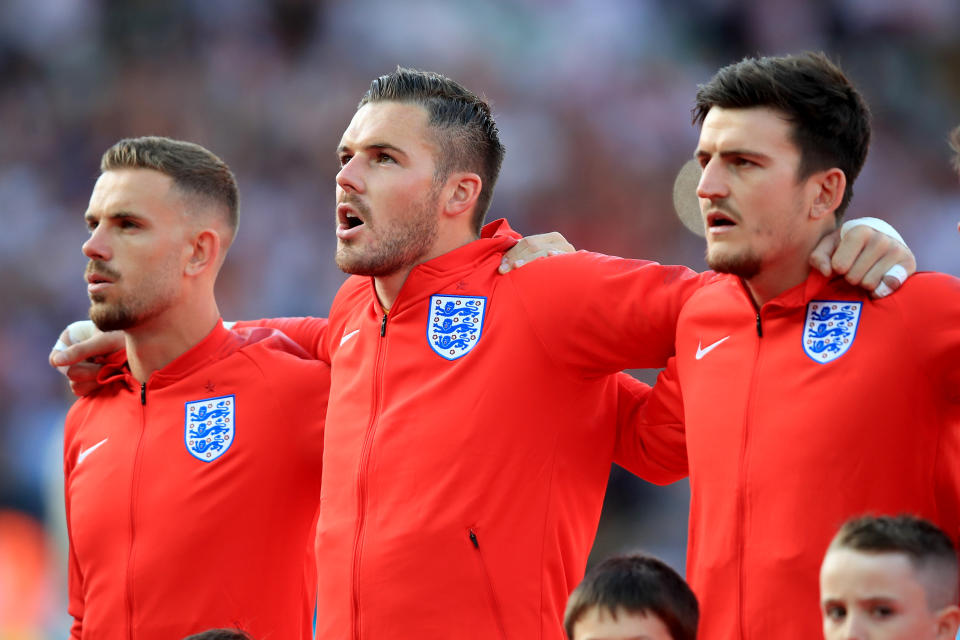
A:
593	101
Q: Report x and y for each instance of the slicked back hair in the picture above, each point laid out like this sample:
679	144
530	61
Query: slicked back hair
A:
639	584
955	145
195	171
831	121
926	545
466	132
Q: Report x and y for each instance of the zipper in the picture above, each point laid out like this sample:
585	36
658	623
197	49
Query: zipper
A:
378	367
742	482
486	576
134	488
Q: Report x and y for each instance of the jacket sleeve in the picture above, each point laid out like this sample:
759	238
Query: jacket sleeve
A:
651	439
75	602
601	314
310	333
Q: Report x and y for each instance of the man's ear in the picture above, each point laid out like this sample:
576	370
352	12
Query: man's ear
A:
829	187
462	190
948	621
203	253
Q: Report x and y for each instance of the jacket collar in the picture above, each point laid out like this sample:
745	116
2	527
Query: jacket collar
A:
434	275
213	347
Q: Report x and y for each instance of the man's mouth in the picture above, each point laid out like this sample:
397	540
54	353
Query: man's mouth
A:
349	220
718	219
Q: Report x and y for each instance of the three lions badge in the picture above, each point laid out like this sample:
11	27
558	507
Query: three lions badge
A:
830	328
455	324
209	427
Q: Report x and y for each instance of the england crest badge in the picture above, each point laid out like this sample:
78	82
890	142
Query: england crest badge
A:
455	324
830	328
209	427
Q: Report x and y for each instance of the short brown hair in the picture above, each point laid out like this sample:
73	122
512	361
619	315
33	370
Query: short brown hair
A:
463	122
193	169
925	544
831	120
639	584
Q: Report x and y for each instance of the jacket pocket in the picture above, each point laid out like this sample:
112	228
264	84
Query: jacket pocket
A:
491	593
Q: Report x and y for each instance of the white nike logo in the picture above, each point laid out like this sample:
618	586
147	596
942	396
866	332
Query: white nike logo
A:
702	352
84	453
347	336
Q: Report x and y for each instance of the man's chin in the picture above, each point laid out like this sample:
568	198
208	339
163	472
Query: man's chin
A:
743	265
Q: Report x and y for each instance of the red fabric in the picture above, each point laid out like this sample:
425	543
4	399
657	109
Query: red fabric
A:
783	449
461	497
162	544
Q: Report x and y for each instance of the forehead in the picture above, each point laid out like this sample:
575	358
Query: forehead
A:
131	190
761	129
598	624
847	572
398	124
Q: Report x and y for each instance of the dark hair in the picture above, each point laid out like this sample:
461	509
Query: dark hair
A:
220	634
955	145
193	169
927	546
465	130
639	584
831	121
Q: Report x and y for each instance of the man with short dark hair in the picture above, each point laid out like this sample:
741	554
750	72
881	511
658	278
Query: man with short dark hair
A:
634	596
803	400
192	477
473	416
890	578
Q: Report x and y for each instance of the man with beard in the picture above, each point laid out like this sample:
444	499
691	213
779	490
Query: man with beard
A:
804	401
192	476
473	417
470	431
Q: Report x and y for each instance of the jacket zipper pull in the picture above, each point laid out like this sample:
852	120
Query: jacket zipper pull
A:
143	393
759	327
473	539
383	326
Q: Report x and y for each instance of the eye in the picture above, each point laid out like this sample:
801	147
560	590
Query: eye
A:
344	159
835	612
881	611
383	158
127	223
91	224
739	161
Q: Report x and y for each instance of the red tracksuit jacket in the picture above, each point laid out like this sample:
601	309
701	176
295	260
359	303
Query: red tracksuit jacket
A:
470	435
843	406
191	501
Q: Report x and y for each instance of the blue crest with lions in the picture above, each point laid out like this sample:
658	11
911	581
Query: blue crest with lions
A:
209	426
830	328
455	324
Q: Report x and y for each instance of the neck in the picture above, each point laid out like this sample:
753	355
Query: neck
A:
388	286
783	273
156	343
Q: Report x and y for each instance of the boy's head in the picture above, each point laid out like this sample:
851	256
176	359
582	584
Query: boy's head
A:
629	597
889	578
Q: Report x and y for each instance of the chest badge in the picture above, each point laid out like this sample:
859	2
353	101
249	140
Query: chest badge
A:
830	328
455	324
209	427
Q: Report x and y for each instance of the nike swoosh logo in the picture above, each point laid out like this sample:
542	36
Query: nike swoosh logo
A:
84	453
347	336
702	352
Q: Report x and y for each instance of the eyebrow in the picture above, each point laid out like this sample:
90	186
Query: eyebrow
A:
731	152
376	146
113	215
